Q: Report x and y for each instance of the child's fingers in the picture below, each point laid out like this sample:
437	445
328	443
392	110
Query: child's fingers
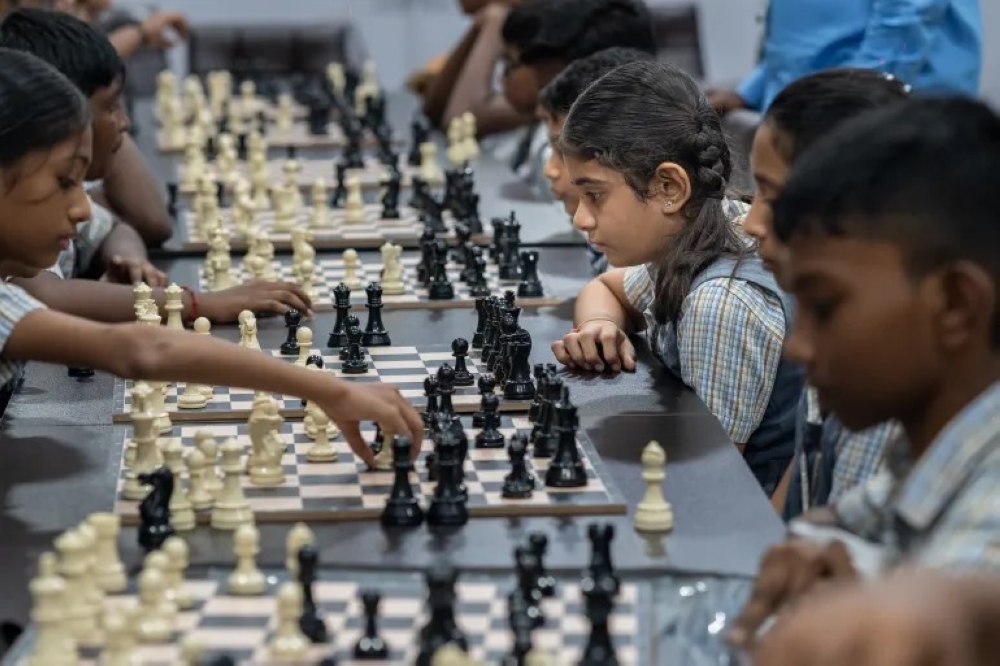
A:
626	350
591	355
352	433
559	350
609	347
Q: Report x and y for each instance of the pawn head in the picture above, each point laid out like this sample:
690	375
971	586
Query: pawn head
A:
445	373
315	359
293	317
460	346
487	382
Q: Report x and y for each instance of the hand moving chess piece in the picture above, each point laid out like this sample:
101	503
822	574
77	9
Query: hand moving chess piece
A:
155	509
654	513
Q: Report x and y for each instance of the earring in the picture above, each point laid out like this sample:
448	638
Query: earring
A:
668	206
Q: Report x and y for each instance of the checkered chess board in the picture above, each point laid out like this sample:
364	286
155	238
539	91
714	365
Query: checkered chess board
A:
402	367
296	137
330	272
370	177
240	627
346	490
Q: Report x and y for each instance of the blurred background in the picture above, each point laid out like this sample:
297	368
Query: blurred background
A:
714	39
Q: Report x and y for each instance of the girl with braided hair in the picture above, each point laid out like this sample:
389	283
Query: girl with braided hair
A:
647	156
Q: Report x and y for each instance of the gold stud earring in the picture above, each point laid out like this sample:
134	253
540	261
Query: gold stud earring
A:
668	206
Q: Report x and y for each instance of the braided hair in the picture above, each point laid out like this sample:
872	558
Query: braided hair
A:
634	119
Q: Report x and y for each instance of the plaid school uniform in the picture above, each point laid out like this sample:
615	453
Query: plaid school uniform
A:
15	303
942	510
727	346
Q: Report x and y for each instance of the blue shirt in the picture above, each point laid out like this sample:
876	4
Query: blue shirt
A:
933	45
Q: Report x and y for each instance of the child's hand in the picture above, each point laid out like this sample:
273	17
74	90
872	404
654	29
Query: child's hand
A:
787	572
380	403
129	270
224	307
917	619
597	345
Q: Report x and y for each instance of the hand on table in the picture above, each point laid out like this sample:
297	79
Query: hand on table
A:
153	28
125	270
596	345
724	100
258	296
380	403
918	618
788	572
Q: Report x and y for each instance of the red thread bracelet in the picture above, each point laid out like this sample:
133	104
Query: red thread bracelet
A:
194	305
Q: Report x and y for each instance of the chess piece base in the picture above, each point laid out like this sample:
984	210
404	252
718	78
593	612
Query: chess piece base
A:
402	514
519	390
518	488
558	476
441	291
371	649
489	441
530	290
654	518
289	349
447	514
464	379
376	340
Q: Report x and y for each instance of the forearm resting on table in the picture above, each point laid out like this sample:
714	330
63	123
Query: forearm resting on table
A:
90	299
603	298
156	353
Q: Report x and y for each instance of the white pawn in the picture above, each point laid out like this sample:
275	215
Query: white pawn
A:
74	567
304	338
299	536
54	646
471	133
354	203
429	169
192	651
202	326
351	266
119	643
181	511
320	204
456	141
288	641
179	555
109	569
322	450
654	513
246	579
160	561
192	397
198	493
231	506
154	624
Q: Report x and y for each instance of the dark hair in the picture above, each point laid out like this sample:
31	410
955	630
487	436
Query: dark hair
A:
811	106
920	175
82	54
568	30
40	109
558	96
633	119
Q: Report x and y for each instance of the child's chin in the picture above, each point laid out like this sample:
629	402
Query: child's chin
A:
19	269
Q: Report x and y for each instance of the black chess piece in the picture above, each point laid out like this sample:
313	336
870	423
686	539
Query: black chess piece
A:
430	464
460	350
172	200
599	595
431	395
601	535
487	385
342	304
290	347
479	286
222	660
402	509
371	646
518	384
441	288
318	119
441	627
339	194
530	286
566	469
390	199
538	542
375	334
349	322
536	404
290	152
418	136
355	364
527	568
521	625
477	337
448	504
80	373
544	435
242	148
310	622
519	484
220	194
155	509
490	436
445	389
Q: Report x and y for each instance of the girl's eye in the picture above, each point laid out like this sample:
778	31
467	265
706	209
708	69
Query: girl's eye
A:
593	196
823	310
67	183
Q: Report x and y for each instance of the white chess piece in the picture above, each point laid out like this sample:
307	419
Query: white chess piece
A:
181	512
392	275
456	141
198	493
654	513
335	75
205	442
74	567
304	338
470	134
246	579
192	651
179	555
174	306
429	169
291	170
109	569
288	641
322	449
154	624
354	203
248	330
202	326
450	654
320	201
147	454
285	120
299	536
119	642
54	646
383	459
284	213
264	464
231	506
351	269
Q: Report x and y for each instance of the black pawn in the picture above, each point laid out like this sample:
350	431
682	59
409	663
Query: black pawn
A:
310	622
375	333
486	384
350	321
536	404
519	484
599	600
490	436
355	364
431	395
154	510
460	350
402	508
530	286
477	337
371	646
290	347
566	469
339	193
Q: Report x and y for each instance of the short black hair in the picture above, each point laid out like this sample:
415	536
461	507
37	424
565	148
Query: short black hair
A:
80	52
558	96
568	30
920	174
810	107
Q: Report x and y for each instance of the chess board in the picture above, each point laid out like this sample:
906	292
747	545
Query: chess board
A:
330	273
296	137
240	626
370	176
402	367
346	490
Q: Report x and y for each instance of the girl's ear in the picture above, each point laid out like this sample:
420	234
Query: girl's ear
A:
672	187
